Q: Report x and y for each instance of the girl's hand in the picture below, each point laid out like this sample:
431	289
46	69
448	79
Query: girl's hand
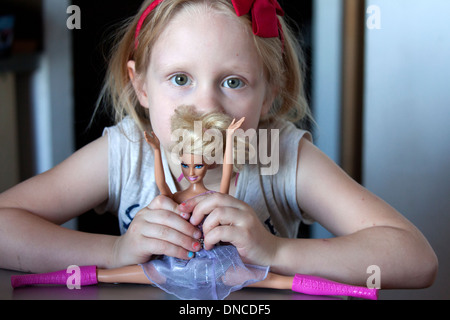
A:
159	229
152	140
233	221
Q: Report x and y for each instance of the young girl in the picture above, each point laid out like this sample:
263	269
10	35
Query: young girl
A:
234	56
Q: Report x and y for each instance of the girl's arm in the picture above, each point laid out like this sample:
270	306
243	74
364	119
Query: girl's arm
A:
160	178
368	231
31	239
227	168
31	212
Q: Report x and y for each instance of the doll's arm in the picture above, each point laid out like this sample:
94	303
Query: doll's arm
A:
160	178
227	169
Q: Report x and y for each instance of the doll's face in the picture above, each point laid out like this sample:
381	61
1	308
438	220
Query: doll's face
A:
193	168
208	60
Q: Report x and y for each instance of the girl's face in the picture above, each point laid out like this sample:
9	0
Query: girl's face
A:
193	168
208	60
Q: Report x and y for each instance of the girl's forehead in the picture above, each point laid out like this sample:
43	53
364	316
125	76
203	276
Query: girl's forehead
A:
205	35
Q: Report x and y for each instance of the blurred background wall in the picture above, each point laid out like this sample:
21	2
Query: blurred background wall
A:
36	95
406	143
403	91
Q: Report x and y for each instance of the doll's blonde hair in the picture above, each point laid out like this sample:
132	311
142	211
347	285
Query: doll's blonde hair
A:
282	60
189	140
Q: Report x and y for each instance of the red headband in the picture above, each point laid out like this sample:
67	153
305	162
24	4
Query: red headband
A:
264	16
144	15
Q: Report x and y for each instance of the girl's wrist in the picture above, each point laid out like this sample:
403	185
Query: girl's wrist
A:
273	250
115	258
280	257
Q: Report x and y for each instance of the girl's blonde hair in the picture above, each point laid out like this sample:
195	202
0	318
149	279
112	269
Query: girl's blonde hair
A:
282	60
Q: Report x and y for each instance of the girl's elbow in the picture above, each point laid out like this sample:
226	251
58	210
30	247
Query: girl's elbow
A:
425	270
424	264
430	269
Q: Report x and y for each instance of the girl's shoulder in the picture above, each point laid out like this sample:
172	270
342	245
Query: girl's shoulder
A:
286	131
126	141
127	128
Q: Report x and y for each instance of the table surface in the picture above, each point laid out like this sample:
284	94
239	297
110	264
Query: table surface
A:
130	292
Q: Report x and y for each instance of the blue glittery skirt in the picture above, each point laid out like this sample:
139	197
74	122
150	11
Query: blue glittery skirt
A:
210	275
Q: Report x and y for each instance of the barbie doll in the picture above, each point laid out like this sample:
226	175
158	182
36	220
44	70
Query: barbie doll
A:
211	274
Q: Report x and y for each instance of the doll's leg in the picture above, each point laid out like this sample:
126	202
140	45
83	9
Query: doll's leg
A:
89	275
274	281
130	274
316	286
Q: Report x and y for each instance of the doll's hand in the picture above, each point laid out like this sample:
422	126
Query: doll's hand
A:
233	221
152	139
234	126
159	229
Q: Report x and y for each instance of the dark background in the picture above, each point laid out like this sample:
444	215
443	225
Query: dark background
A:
90	47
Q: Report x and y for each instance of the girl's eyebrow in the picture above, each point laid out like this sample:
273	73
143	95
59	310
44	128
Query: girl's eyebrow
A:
170	67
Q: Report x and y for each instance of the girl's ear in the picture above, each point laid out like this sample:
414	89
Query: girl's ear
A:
138	85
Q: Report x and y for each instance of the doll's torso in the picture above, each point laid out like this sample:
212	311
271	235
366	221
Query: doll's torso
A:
184	195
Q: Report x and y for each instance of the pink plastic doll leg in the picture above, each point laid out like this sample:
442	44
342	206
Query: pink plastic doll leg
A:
88	276
318	286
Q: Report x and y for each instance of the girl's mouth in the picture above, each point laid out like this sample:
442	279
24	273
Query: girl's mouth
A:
192	178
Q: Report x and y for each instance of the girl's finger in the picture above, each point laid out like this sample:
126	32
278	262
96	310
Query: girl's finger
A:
170	220
160	247
171	236
225	233
202	206
223	216
164	203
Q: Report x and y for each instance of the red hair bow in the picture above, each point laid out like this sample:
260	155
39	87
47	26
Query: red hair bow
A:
264	15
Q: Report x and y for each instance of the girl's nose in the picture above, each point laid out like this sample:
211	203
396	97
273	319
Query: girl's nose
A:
207	98
191	171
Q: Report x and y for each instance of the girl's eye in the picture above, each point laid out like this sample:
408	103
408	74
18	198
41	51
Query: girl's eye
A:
233	83
180	80
184	165
200	166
